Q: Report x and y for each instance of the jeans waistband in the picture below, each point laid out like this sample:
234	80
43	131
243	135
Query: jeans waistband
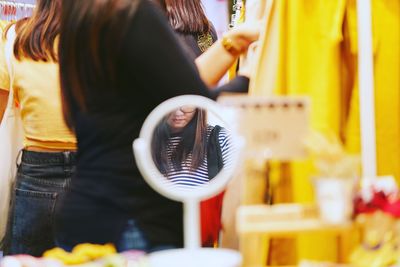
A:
33	157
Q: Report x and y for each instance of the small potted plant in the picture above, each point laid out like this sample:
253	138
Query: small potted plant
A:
336	172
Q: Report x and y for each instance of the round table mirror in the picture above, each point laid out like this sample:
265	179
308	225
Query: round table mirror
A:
188	152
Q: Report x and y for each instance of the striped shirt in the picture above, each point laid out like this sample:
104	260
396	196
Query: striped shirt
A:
187	178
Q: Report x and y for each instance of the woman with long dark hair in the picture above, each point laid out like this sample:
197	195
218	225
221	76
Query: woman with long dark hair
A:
190	152
119	59
180	134
48	158
181	146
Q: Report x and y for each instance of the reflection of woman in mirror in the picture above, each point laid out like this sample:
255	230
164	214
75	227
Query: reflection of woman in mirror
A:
187	150
190	152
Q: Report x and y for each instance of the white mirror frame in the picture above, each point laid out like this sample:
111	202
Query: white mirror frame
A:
190	198
149	169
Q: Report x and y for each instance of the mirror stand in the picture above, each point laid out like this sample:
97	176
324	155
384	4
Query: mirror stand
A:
192	254
191	211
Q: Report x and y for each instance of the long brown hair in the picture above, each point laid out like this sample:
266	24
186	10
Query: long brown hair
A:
35	36
186	16
91	34
193	141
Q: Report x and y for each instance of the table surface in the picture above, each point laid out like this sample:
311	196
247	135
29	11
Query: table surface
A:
284	219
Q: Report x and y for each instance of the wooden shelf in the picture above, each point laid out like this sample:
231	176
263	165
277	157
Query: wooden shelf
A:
285	219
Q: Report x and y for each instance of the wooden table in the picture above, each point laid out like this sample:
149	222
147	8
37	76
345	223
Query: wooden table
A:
256	224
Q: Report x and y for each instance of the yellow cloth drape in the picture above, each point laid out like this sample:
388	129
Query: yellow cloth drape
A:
268	57
3	24
312	60
310	48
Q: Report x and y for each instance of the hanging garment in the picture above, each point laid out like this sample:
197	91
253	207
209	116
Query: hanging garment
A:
267	54
317	57
309	36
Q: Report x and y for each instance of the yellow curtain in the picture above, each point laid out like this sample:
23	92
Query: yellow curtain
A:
307	45
316	44
311	66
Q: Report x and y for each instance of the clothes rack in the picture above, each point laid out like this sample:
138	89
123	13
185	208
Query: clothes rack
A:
15	10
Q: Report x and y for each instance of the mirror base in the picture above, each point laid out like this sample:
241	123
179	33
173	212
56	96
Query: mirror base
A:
210	257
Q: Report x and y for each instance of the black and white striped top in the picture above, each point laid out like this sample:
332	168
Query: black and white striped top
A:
187	178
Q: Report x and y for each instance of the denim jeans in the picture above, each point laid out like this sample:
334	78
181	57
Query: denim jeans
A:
41	177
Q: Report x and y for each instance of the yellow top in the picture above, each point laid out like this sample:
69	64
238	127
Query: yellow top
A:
37	90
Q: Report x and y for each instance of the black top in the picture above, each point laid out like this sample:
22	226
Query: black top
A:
108	188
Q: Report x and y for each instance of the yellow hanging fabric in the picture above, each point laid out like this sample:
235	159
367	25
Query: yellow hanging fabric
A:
312	67
3	24
268	51
312	61
386	35
309	36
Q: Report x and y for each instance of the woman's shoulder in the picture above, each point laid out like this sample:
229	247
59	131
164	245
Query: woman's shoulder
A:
220	131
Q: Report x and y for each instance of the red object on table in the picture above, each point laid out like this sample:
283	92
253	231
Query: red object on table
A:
211	224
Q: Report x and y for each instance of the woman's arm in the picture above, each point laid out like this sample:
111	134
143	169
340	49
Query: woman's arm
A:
3	102
4	78
155	56
215	62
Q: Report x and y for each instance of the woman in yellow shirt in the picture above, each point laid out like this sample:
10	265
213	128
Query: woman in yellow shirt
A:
47	161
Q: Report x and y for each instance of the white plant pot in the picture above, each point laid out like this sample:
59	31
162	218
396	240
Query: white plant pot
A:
335	199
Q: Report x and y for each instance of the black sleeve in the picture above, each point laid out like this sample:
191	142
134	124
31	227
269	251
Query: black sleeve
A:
238	85
159	62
